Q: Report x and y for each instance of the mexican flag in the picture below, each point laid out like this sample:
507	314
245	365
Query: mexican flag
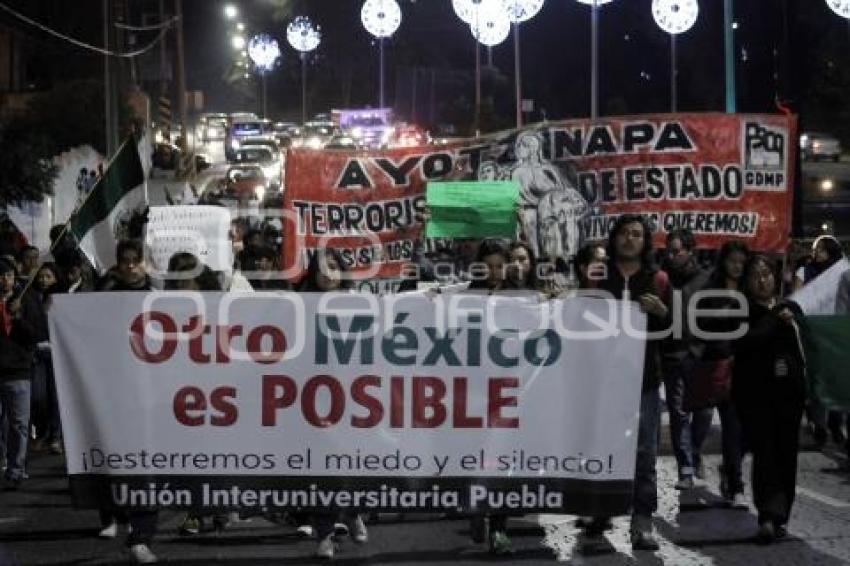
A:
104	217
828	359
827	337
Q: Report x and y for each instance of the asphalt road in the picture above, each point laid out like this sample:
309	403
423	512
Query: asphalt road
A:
39	526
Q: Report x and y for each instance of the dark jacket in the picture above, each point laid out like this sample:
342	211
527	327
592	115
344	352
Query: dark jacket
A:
16	347
770	368
675	348
111	283
647	280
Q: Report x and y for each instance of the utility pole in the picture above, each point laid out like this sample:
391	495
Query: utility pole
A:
181	73
107	92
729	42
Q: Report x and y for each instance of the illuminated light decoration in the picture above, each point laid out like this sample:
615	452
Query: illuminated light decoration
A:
466	9
840	7
230	12
264	52
492	28
381	18
302	35
519	11
675	16
238	42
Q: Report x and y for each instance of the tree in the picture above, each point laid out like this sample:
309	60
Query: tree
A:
27	170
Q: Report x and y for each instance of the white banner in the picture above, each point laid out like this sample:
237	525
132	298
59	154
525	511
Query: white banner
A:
199	230
263	400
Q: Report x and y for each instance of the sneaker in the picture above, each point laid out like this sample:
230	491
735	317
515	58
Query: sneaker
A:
500	544
341	529
699	471
737	501
644	540
326	547
304	531
685	483
190	526
141	554
766	533
359	534
781	531
109	531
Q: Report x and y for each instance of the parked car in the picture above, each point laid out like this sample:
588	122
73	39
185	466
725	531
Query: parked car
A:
815	146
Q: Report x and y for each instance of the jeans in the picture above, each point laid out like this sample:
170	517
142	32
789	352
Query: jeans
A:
45	402
731	479
15	405
645	497
687	429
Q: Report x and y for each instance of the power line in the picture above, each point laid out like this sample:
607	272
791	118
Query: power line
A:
84	45
155	27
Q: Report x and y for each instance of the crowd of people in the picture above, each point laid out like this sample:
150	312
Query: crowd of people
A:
756	382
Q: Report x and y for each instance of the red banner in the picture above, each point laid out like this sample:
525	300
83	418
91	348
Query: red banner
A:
723	176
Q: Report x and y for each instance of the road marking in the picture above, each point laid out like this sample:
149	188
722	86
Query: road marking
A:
825	499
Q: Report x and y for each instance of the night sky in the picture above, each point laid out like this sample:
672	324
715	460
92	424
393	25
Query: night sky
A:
430	60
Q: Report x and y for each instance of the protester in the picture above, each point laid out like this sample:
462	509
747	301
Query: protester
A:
633	276
522	267
17	340
488	272
826	252
688	429
727	276
326	273
28	262
130	274
262	270
591	263
769	390
45	401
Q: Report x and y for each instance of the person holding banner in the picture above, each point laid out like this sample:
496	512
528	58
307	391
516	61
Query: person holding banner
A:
632	276
130	274
326	274
769	390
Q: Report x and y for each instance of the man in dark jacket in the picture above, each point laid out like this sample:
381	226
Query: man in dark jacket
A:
130	274
16	358
687	429
631	274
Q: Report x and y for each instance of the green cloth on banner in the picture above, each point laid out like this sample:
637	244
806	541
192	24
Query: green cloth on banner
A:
828	359
472	209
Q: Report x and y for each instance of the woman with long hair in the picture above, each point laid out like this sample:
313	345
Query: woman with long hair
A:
728	275
769	391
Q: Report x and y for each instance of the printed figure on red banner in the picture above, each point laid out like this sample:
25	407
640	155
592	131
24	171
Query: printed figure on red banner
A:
551	209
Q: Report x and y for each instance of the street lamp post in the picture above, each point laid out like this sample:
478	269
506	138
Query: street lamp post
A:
482	16
520	11
264	51
594	54
381	18
304	37
674	17
729	51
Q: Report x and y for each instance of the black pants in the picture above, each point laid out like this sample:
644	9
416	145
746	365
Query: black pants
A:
772	434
